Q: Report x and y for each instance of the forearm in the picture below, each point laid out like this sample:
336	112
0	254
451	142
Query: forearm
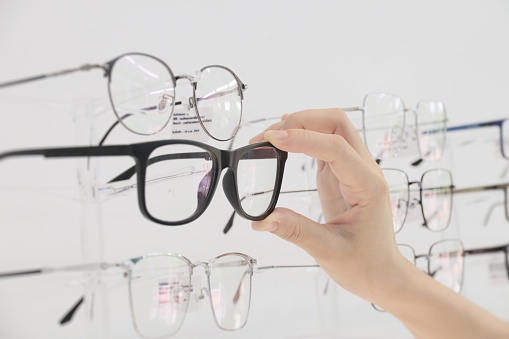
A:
430	310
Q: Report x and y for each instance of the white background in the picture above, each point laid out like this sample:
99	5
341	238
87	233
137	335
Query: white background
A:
293	55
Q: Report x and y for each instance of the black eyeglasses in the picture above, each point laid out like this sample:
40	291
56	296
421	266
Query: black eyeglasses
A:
176	179
503	128
142	93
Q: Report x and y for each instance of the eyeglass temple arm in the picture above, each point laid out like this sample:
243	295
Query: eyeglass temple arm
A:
47	270
501	248
229	223
85	67
118	150
480	188
127	174
326	287
475	125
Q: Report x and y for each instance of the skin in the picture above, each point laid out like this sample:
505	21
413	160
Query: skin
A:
356	245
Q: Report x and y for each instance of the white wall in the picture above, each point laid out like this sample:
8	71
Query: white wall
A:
293	55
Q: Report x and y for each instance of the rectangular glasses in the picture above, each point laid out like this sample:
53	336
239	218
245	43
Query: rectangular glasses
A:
176	179
435	198
160	288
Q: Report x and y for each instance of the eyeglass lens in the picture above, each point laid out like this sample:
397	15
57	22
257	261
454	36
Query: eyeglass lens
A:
431	129
256	179
230	290
384	122
159	291
384	126
399	196
178	181
445	263
436	198
219	102
142	93
185	176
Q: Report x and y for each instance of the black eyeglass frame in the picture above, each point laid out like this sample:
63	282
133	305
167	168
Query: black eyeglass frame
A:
140	152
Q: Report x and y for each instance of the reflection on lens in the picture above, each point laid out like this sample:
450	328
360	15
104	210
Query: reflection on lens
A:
142	92
384	124
230	290
178	181
159	291
431	122
446	263
219	102
436	187
399	196
256	179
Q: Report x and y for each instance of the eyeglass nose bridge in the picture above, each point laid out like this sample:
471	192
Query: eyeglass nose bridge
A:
193	79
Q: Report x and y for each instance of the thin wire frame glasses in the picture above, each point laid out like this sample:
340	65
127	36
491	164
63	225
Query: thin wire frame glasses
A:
503	187
176	179
434	199
142	93
160	287
384	123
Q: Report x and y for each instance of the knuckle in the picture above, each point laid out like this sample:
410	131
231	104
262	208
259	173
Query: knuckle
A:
292	234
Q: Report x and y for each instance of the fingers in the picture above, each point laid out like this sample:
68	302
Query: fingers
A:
297	229
327	121
275	126
359	180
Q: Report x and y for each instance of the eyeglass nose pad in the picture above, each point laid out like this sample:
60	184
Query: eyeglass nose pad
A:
230	189
191	103
163	103
185	103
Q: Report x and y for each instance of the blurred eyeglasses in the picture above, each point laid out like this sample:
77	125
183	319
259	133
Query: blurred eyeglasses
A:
176	179
142	92
444	263
503	129
503	187
160	288
434	198
384	123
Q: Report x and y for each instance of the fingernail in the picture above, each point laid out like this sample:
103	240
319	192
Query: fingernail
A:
256	138
278	135
272	226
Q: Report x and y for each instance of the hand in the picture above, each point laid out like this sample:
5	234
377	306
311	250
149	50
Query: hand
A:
356	245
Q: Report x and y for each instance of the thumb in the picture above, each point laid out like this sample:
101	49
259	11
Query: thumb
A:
297	229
